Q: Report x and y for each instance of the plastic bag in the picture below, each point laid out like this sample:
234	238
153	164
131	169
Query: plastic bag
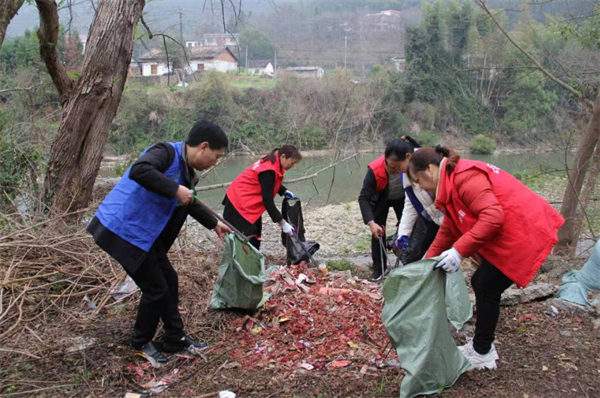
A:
298	249
241	276
576	284
416	320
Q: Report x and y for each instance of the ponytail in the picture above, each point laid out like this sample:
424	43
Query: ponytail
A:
421	159
452	157
412	141
289	151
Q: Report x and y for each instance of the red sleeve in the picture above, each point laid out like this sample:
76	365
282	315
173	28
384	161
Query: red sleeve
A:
444	239
475	191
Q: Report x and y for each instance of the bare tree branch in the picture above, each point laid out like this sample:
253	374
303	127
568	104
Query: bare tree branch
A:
541	68
8	9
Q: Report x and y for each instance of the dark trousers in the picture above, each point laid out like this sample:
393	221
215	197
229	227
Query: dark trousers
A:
488	283
422	236
252	231
380	215
159	284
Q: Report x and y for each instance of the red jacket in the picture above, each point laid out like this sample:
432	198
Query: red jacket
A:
488	211
244	192
378	168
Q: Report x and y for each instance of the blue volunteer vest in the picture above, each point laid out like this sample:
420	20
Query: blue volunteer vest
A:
136	214
415	202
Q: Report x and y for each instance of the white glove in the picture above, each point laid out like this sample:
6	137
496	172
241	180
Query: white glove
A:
449	261
287	228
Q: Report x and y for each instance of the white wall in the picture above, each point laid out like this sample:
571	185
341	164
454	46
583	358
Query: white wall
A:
160	70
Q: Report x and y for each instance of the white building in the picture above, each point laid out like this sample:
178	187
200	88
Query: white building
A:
309	72
260	67
219	59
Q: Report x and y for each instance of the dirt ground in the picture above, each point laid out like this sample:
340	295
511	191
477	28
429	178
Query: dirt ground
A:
74	353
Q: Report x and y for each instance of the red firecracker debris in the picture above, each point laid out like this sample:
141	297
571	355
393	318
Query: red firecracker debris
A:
333	323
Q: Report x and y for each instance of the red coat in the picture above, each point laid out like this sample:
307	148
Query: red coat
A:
378	168
488	211
244	192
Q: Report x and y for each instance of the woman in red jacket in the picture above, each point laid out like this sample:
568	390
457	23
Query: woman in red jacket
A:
491	214
252	192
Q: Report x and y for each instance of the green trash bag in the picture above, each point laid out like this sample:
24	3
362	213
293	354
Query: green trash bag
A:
416	320
241	276
458	306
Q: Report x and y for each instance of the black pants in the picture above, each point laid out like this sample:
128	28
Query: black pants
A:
159	284
252	231
422	236
380	215
488	284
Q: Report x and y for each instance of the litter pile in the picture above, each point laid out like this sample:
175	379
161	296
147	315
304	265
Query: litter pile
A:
312	320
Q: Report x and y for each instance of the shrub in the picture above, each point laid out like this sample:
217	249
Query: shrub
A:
427	138
482	145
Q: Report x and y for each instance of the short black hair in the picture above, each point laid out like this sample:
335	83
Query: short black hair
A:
205	131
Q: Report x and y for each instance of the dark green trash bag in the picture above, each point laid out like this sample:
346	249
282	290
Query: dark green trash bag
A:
416	320
241	276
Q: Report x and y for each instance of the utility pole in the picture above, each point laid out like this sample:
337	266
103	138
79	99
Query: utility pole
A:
345	48
274	61
181	26
182	74
246	59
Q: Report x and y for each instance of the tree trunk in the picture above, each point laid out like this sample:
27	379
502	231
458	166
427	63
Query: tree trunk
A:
8	9
573	208
90	105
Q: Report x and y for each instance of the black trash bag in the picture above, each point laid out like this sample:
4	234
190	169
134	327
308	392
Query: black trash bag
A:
298	249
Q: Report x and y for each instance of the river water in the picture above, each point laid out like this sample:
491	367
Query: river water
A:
347	177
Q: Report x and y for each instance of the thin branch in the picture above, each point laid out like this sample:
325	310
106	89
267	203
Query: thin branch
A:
48	38
548	74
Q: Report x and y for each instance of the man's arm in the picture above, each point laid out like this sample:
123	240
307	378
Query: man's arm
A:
149	169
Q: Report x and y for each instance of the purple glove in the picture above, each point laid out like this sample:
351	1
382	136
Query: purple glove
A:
401	243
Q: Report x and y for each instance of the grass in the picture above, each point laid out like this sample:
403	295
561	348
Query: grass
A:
340	265
257	82
364	243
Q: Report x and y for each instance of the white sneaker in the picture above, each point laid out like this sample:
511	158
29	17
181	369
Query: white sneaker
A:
479	361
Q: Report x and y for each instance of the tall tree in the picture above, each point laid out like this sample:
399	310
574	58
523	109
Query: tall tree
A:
8	9
90	102
587	157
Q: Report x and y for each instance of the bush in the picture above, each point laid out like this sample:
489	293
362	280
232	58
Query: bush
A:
482	145
427	138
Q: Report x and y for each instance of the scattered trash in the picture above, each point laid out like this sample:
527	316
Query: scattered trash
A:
226	394
339	364
133	395
125	289
78	343
527	317
91	304
306	365
300	327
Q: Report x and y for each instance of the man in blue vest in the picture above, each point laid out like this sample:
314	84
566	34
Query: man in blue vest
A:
139	220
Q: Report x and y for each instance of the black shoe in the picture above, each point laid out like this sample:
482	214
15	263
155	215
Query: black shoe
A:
151	354
376	276
185	343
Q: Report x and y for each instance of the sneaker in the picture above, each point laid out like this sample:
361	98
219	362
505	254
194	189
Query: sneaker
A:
151	354
376	276
185	343
479	361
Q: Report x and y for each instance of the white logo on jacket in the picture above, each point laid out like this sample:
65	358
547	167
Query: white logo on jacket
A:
256	164
461	216
495	169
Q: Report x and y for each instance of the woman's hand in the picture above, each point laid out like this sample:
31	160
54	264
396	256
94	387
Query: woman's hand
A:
376	229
